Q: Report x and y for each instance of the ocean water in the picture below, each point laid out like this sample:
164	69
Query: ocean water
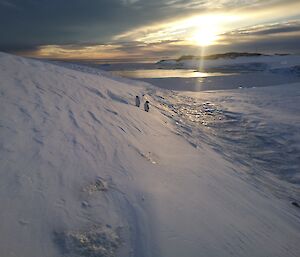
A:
194	80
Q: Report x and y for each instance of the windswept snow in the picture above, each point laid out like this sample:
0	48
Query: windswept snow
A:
86	173
257	128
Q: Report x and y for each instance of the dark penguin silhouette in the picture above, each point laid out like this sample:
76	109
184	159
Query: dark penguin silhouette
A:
137	101
146	106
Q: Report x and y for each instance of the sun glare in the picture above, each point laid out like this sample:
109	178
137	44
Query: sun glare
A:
201	30
205	37
206	33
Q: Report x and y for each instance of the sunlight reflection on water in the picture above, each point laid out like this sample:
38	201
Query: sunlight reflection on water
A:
163	73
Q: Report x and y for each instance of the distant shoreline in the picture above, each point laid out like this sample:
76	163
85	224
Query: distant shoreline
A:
229	55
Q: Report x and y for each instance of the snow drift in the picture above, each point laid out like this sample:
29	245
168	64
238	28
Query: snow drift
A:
86	173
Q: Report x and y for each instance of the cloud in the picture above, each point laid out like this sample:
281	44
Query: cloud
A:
123	50
7	3
129	2
255	33
68	22
133	27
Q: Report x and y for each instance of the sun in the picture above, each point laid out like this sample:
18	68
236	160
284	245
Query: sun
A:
207	29
205	36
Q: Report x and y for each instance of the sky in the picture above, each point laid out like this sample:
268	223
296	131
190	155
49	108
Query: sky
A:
147	29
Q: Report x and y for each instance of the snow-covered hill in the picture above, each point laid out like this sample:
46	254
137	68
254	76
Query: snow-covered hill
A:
86	173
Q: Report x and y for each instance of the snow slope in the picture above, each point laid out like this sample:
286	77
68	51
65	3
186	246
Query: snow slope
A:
85	173
257	128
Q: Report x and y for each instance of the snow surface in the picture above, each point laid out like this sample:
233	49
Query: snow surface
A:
86	173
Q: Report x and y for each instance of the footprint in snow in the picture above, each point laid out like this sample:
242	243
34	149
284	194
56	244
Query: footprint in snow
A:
98	241
100	184
151	157
23	222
